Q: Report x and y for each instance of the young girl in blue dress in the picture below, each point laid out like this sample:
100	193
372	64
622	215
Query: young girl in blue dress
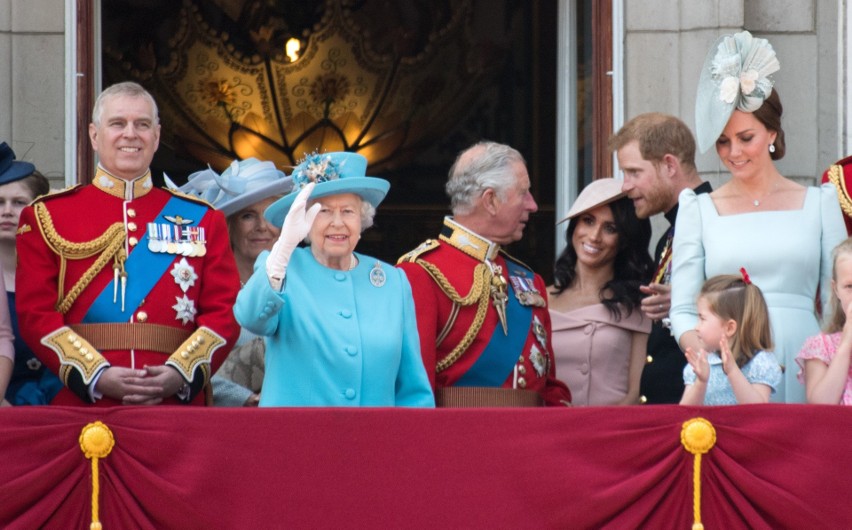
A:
735	364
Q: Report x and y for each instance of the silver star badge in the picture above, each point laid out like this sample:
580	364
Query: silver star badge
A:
538	360
184	274
540	332
185	309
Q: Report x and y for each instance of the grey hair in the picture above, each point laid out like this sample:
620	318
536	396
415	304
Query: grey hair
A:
470	176
368	212
126	88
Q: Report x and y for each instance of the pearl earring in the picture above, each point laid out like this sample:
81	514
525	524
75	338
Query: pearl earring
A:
771	148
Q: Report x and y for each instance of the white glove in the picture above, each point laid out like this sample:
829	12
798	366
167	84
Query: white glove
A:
296	226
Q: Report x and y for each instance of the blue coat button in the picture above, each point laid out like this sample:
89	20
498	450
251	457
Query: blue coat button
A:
350	393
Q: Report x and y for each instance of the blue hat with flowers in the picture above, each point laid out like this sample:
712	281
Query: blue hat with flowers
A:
11	169
334	173
736	75
242	184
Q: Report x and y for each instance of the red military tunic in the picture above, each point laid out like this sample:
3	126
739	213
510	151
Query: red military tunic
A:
184	320
457	267
840	174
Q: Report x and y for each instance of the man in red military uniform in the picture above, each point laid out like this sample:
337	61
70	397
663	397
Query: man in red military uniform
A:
129	288
840	174
482	315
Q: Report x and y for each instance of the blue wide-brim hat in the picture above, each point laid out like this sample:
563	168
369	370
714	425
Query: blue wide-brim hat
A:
334	173
11	169
242	184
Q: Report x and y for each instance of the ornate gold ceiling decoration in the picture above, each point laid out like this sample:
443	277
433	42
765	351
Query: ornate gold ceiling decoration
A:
347	90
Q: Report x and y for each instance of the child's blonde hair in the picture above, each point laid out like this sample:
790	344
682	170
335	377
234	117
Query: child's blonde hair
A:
730	296
838	315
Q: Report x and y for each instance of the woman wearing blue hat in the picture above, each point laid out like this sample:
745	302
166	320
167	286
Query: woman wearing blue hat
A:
779	230
23	379
242	192
340	326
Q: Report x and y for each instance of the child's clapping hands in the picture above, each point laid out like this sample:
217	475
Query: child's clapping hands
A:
698	361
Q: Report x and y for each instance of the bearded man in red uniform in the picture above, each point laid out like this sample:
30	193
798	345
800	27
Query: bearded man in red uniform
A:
481	314
129	288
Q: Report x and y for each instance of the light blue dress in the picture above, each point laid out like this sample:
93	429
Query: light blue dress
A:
786	253
762	368
336	338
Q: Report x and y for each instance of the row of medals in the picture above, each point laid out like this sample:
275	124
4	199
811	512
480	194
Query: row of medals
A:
175	239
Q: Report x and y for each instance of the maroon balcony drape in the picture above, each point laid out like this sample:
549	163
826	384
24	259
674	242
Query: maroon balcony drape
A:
773	466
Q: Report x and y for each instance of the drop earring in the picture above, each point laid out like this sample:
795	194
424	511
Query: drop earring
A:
771	148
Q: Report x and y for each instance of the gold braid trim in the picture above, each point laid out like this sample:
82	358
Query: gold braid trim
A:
479	292
110	245
835	176
196	351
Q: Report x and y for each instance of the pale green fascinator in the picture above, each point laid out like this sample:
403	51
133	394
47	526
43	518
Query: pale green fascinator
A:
736	75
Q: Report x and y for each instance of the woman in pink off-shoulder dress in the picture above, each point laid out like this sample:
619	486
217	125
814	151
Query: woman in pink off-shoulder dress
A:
599	333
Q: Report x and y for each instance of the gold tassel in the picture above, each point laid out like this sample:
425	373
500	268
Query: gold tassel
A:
96	441
697	436
121	273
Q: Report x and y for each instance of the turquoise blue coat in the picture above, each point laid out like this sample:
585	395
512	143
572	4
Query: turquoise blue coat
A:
336	338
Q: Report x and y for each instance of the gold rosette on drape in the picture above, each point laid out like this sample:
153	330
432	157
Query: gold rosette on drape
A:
697	436
96	442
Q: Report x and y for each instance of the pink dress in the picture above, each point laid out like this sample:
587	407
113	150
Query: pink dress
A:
592	352
823	347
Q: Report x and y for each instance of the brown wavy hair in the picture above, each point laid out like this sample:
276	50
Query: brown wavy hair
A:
730	297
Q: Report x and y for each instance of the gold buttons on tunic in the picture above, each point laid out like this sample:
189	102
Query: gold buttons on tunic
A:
133	241
141	316
522	382
131	212
643	399
649	359
131	226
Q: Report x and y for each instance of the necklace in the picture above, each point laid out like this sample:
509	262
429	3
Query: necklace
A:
756	202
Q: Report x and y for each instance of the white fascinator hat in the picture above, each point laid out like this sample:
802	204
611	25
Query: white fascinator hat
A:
737	74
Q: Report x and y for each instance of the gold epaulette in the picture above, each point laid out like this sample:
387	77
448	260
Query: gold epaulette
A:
422	248
835	176
189	197
56	193
196	351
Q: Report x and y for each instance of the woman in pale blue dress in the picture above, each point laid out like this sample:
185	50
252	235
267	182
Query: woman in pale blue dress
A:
780	231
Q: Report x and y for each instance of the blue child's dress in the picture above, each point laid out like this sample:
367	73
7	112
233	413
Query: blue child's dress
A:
786	253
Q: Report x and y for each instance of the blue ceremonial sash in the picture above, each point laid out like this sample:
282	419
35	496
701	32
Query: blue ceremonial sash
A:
499	357
144	269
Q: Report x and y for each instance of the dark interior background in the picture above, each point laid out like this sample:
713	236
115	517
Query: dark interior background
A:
516	104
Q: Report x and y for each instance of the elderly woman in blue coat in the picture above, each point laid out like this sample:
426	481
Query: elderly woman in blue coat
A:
340	326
